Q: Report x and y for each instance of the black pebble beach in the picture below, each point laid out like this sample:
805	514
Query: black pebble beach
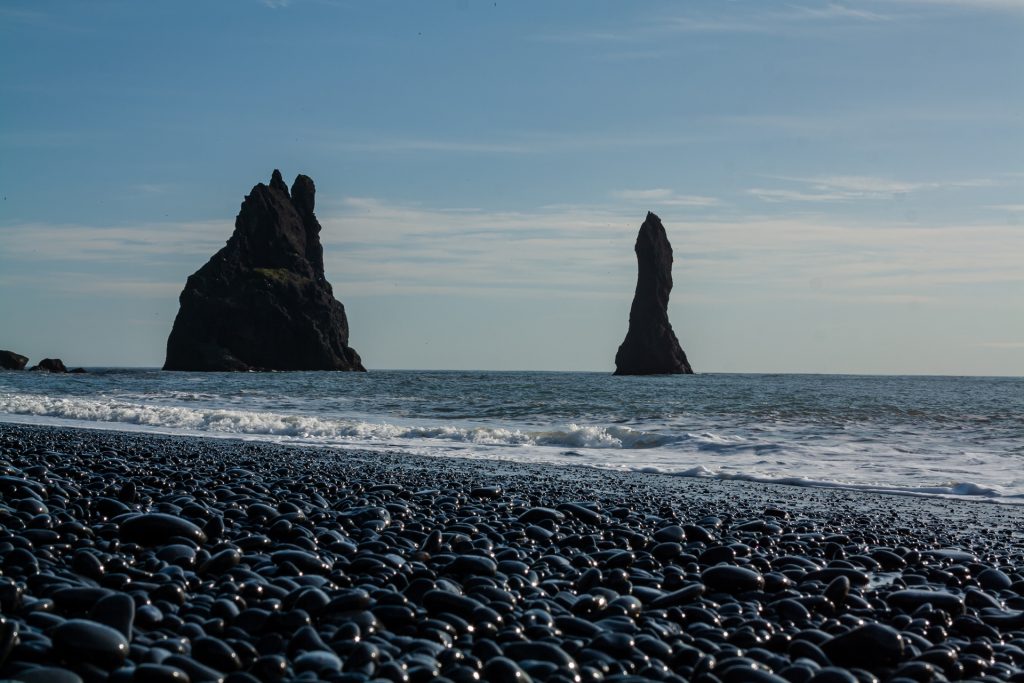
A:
135	558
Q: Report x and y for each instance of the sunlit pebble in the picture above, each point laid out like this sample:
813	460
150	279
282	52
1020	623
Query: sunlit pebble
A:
147	558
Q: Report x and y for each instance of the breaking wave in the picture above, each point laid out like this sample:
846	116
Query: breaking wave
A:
307	427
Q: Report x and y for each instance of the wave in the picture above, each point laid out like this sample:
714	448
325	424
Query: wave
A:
702	454
262	423
950	489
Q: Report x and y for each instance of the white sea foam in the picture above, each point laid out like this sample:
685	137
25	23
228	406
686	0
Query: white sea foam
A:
255	423
963	437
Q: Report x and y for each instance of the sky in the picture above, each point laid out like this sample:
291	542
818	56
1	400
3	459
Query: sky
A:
842	182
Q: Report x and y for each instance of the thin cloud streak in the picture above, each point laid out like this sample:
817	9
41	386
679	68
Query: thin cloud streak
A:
1002	345
969	5
665	197
846	188
573	250
795	17
877	119
410	145
91	284
374	247
834	10
153	241
536	143
769	195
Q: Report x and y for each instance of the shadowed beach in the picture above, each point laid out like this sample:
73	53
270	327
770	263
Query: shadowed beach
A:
137	557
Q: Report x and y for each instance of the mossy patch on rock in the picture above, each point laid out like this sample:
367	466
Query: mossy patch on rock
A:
281	276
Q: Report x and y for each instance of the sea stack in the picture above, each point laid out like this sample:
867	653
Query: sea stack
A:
262	302
651	347
54	365
9	360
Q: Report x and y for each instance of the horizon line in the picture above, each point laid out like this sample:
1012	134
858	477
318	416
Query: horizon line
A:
371	370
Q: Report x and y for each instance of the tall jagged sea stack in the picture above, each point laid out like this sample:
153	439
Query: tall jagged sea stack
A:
651	347
262	302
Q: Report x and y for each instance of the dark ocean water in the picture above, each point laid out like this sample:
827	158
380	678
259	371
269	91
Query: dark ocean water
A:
959	436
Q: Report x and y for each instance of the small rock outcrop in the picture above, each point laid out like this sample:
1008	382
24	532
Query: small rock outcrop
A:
651	347
262	302
9	360
50	365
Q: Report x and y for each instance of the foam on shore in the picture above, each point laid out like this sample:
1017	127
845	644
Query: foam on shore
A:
712	454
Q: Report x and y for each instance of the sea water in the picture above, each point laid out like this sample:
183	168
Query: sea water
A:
952	436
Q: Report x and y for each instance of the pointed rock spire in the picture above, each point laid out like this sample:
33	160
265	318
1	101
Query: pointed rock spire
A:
277	182
651	347
304	194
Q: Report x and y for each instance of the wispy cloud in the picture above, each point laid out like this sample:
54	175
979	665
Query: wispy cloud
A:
726	20
1002	345
84	283
31	17
779	19
1012	208
665	197
583	36
536	143
704	24
113	244
16	14
969	5
842	188
877	119
835	10
375	246
776	195
152	188
775	20
385	144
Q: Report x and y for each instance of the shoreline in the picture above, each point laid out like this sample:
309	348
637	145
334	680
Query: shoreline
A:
856	490
357	565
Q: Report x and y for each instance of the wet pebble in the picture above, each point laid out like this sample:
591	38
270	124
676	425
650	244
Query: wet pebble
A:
48	674
913	599
81	640
117	611
732	579
871	645
156	528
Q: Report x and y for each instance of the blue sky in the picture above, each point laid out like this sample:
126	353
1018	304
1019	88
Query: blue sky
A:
842	182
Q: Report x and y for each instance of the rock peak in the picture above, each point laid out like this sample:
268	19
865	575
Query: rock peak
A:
651	347
277	182
304	194
262	302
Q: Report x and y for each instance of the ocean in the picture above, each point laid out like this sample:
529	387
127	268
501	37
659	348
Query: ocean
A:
934	436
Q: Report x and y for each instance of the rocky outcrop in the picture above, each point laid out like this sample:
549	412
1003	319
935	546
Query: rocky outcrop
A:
50	365
9	360
262	302
651	347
